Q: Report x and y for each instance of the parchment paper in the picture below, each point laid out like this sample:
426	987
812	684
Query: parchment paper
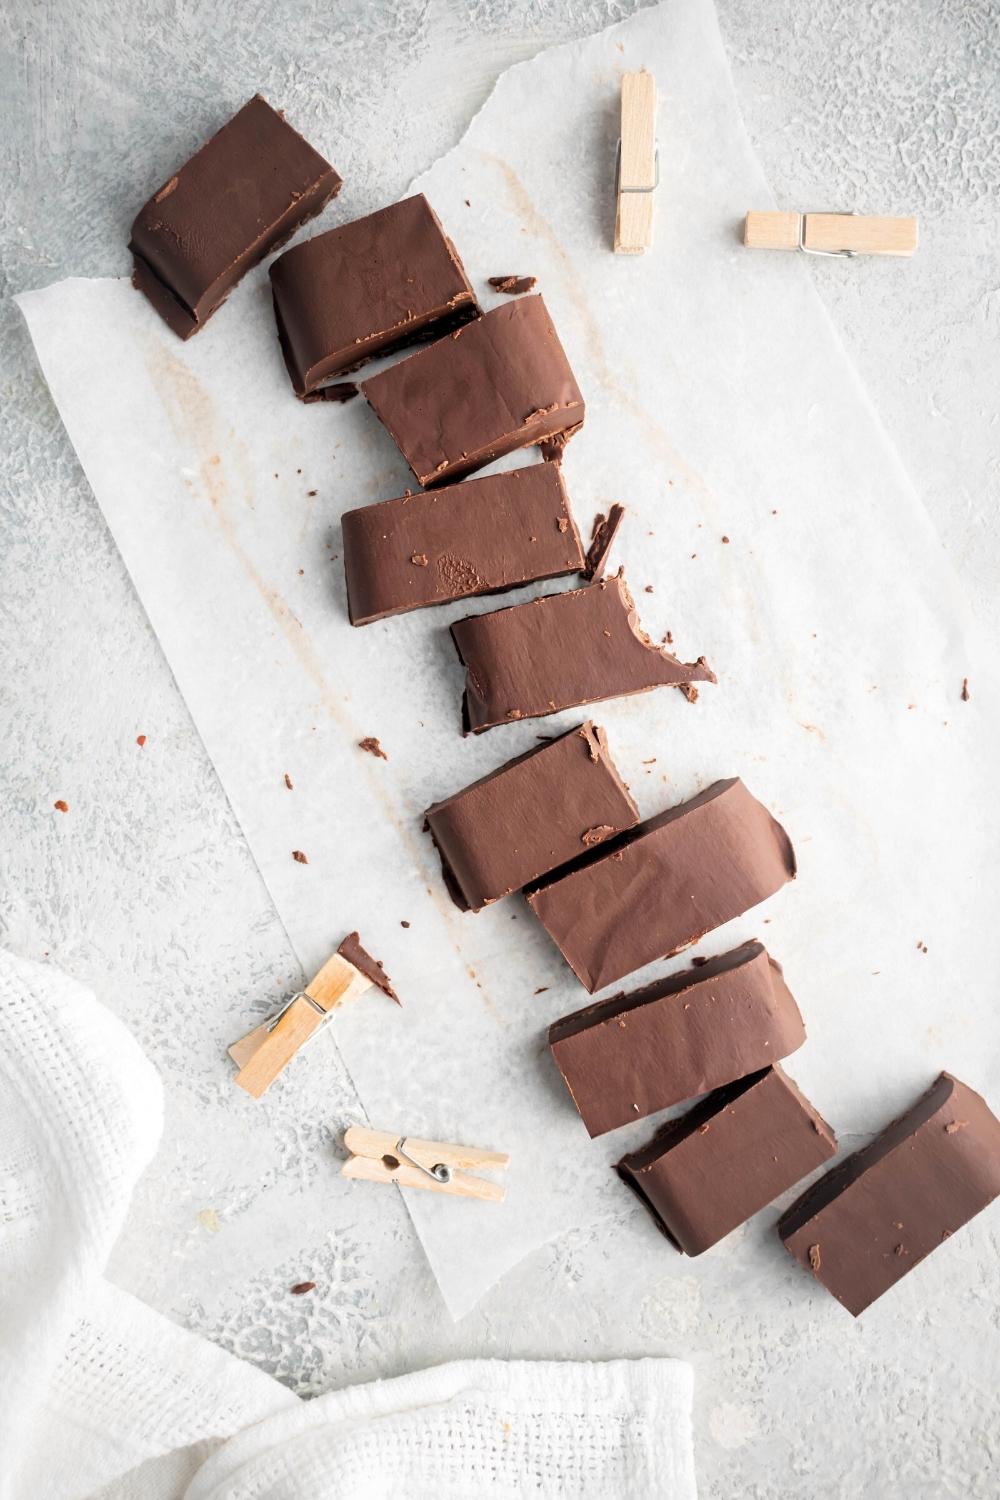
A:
770	526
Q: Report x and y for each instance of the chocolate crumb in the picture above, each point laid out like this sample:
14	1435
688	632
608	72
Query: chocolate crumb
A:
690	691
299	857
419	559
541	989
311	493
288	781
404	924
651	761
512	286
900	1250
726	540
703	1129
372	746
649	588
140	740
597	835
815	1259
301	1287
563	523
61	806
965	690
954	1125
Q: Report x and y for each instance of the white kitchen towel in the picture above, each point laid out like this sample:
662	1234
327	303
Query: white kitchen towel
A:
93	1384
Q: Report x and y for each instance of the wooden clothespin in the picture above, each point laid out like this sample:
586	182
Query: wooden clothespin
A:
845	235
436	1166
264	1052
637	171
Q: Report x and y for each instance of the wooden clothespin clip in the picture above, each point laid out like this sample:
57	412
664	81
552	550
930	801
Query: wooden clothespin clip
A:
637	169
436	1166
264	1052
842	235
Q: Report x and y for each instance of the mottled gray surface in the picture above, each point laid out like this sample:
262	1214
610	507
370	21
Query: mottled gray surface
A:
145	888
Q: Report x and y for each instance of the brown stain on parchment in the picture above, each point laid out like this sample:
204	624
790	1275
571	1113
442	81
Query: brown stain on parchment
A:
192	415
576	289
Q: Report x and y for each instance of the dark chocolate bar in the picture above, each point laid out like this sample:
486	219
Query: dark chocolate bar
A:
627	1057
474	538
704	1174
500	383
366	288
561	651
528	816
880	1212
248	188
651	892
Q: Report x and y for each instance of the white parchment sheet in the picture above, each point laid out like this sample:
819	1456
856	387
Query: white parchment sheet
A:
720	405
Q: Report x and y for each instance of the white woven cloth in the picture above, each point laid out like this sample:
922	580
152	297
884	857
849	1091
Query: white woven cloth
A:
100	1395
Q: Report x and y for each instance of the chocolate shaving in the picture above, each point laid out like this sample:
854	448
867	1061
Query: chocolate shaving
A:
965	690
362	960
371	745
601	539
512	286
299	857
301	1287
288	782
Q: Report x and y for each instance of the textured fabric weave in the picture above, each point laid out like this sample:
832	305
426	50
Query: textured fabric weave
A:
101	1396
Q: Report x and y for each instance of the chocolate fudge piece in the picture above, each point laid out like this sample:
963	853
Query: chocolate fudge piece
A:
474	538
704	1174
627	1057
528	816
248	188
560	651
651	892
366	288
500	383
880	1212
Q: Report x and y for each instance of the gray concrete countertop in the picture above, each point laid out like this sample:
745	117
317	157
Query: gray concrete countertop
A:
145	888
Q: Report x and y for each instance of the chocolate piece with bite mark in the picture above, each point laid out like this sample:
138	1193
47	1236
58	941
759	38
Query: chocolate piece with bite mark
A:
365	289
707	1172
627	1057
529	816
500	383
880	1212
560	651
242	195
479	537
650	892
